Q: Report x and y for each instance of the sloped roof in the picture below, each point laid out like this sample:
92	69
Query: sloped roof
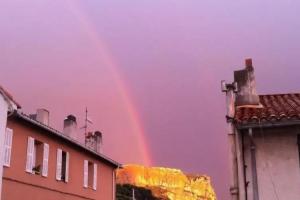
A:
55	133
275	108
7	95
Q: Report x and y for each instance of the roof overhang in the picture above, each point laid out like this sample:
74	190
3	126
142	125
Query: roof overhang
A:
9	98
268	124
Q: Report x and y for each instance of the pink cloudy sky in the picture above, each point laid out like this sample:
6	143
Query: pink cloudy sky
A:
149	70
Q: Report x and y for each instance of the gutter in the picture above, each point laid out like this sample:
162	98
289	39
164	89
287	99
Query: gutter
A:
268	124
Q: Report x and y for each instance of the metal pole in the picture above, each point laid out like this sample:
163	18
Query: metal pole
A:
85	127
133	195
253	166
230	105
234	190
240	166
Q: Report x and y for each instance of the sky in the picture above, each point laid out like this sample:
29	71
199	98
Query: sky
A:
148	71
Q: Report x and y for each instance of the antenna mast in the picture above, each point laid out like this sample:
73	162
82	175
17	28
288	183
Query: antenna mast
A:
85	121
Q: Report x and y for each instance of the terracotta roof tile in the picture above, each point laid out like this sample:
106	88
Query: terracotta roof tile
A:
277	107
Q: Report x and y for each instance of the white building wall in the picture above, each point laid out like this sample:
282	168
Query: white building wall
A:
3	120
277	160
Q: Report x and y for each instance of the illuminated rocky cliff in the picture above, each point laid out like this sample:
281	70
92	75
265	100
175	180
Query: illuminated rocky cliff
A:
166	183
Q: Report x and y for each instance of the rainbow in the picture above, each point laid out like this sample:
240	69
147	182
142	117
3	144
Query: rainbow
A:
110	63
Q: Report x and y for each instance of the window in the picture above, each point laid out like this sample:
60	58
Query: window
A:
7	147
62	166
37	157
90	175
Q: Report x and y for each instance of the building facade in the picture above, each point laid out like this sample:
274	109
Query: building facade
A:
7	105
43	163
264	141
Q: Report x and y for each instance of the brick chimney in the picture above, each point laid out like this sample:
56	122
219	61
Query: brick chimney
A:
246	91
93	140
70	127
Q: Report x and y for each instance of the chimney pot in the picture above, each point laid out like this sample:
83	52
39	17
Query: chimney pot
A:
248	62
70	127
93	140
42	115
71	118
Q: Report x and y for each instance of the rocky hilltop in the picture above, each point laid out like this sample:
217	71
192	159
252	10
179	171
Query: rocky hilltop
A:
167	183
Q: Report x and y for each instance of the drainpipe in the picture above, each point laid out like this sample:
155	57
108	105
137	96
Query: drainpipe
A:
114	177
253	165
234	188
240	165
229	89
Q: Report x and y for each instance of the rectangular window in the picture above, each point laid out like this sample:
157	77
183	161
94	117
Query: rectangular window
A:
62	167
7	147
90	175
37	157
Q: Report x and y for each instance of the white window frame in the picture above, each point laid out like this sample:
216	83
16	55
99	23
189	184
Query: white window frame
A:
31	157
59	165
86	174
95	177
45	164
67	167
7	147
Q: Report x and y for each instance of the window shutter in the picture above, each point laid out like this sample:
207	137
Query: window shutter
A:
95	177
85	173
67	167
58	164
45	160
30	152
7	146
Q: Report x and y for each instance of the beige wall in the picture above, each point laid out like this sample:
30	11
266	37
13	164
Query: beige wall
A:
277	160
19	184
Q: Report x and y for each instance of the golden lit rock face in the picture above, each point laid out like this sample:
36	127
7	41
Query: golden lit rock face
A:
167	183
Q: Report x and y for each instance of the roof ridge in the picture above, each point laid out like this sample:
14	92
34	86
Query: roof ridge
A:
58	133
280	94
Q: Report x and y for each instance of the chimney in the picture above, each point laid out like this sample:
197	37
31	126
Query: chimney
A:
246	91
42	115
70	127
248	63
93	140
